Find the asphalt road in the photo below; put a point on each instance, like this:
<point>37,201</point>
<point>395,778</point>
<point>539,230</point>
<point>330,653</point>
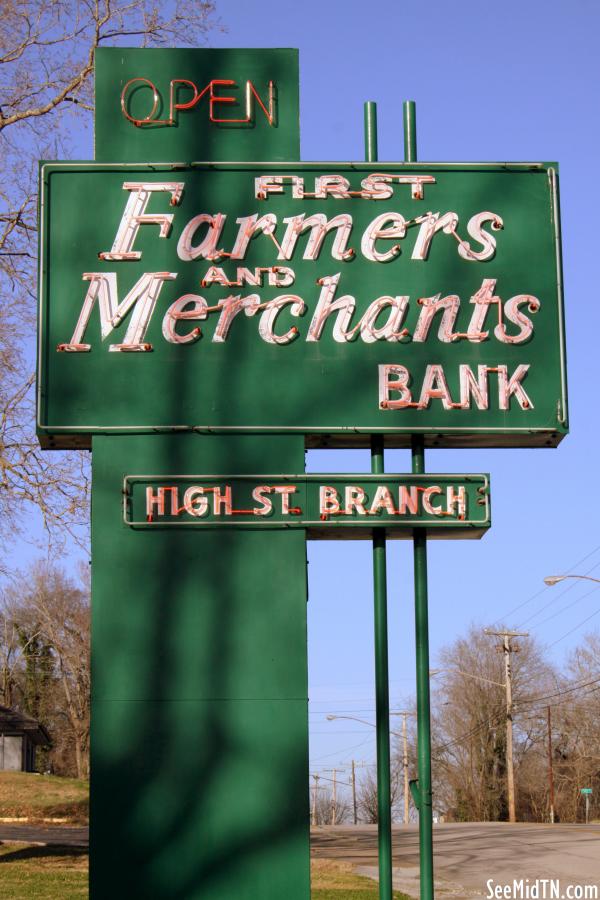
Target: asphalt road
<point>59,835</point>
<point>466,856</point>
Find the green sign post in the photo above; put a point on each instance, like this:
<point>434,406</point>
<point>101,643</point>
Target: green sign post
<point>199,636</point>
<point>587,793</point>
<point>204,318</point>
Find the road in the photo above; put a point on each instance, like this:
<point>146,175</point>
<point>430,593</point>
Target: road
<point>466,856</point>
<point>59,835</point>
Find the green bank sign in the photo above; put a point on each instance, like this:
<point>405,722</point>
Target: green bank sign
<point>327,506</point>
<point>333,300</point>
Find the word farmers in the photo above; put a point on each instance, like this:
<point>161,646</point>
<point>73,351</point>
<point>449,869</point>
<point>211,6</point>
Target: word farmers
<point>203,233</point>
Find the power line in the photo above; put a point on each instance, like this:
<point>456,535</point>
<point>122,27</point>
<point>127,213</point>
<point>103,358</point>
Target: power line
<point>576,687</point>
<point>324,712</point>
<point>353,709</point>
<point>489,723</point>
<point>554,599</point>
<point>334,700</point>
<point>562,637</point>
<point>494,720</point>
<point>358,700</point>
<point>337,781</point>
<point>330,732</point>
<point>370,740</point>
<point>541,590</point>
<point>560,611</point>
<point>560,702</point>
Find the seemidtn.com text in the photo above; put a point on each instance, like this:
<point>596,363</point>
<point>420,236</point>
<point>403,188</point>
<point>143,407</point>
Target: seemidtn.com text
<point>540,889</point>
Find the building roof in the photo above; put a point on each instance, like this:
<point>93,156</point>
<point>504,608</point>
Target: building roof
<point>12,721</point>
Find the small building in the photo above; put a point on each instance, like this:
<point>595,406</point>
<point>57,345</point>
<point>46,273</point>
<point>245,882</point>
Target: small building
<point>19,736</point>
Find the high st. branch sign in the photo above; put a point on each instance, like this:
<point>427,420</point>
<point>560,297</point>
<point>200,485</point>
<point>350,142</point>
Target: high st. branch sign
<point>327,506</point>
<point>334,300</point>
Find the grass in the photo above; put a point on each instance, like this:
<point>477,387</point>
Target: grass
<point>337,881</point>
<point>36,797</point>
<point>29,872</point>
<point>42,873</point>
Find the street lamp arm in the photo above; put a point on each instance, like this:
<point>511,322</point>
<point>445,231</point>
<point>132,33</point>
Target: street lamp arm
<point>469,675</point>
<point>554,579</point>
<point>331,718</point>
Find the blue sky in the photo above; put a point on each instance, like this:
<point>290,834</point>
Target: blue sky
<point>514,82</point>
<point>511,81</point>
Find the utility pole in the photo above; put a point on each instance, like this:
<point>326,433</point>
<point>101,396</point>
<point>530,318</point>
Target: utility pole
<point>507,649</point>
<point>333,798</point>
<point>314,803</point>
<point>405,767</point>
<point>355,766</point>
<point>333,792</point>
<point>550,769</point>
<point>404,714</point>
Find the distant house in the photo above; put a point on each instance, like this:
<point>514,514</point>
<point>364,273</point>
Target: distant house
<point>19,736</point>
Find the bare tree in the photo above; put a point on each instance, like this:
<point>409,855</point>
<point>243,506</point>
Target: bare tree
<point>50,613</point>
<point>577,730</point>
<point>366,795</point>
<point>324,811</point>
<point>47,54</point>
<point>10,660</point>
<point>469,725</point>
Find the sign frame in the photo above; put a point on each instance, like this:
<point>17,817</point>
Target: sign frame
<point>439,434</point>
<point>334,527</point>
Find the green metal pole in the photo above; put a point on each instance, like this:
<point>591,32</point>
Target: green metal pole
<point>410,131</point>
<point>382,699</point>
<point>423,708</point>
<point>424,793</point>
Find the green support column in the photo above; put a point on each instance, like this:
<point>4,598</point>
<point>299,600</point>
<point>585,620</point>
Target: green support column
<point>382,698</point>
<point>423,703</point>
<point>424,792</point>
<point>382,691</point>
<point>199,709</point>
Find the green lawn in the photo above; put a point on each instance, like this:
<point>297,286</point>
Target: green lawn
<point>345,894</point>
<point>337,881</point>
<point>26,795</point>
<point>29,872</point>
<point>42,873</point>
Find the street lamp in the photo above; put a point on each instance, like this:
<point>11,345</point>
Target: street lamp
<point>554,579</point>
<point>331,717</point>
